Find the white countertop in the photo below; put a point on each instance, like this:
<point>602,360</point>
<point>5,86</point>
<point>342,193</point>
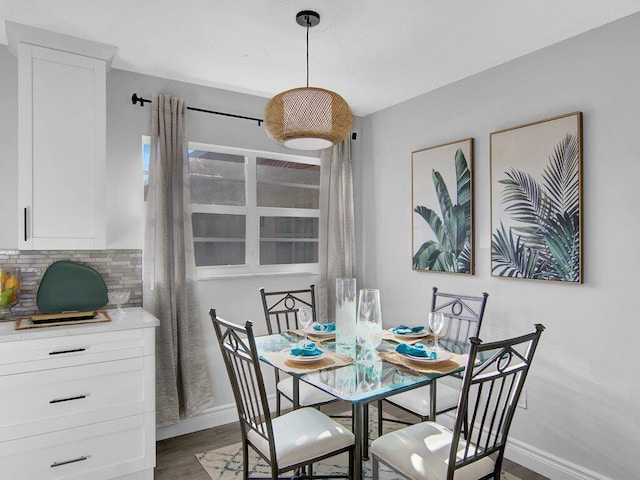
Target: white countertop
<point>133,318</point>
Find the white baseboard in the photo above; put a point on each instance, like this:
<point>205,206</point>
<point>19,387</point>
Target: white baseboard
<point>539,461</point>
<point>546,464</point>
<point>212,417</point>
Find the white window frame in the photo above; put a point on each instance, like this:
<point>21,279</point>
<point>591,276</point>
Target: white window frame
<point>252,266</point>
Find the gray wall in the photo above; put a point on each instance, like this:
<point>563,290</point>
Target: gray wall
<point>583,391</point>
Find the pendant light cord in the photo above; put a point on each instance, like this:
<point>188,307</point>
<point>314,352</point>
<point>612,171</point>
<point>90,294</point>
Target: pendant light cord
<point>308,25</point>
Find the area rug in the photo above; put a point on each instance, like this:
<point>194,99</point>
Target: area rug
<point>226,463</point>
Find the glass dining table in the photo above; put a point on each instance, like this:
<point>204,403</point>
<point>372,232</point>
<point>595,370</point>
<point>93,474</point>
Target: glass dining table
<point>361,382</point>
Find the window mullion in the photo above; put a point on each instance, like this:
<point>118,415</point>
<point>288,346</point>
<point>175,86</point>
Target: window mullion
<point>253,241</point>
<point>288,212</point>
<point>222,209</point>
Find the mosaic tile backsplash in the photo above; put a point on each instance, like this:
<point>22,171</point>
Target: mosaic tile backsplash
<point>121,270</point>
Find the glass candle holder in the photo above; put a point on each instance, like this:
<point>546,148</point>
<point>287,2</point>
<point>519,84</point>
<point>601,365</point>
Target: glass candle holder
<point>346,315</point>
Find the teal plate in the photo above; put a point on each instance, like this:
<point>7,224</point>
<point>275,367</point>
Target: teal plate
<point>71,287</point>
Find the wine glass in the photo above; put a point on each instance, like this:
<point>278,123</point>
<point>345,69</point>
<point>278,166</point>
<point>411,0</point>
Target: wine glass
<point>118,298</point>
<point>369,324</point>
<point>436,322</point>
<point>305,318</point>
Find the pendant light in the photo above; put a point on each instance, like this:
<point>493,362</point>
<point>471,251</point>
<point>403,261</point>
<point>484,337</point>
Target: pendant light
<point>308,118</point>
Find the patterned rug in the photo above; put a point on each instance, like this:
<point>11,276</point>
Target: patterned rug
<point>226,463</point>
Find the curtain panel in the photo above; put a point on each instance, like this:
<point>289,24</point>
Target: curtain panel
<point>338,259</point>
<point>170,290</point>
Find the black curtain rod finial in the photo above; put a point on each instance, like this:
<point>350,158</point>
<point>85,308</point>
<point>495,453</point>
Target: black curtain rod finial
<point>135,99</point>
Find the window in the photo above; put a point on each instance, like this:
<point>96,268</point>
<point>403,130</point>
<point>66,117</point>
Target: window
<point>253,212</point>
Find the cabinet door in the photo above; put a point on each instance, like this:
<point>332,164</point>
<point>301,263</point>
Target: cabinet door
<point>62,150</point>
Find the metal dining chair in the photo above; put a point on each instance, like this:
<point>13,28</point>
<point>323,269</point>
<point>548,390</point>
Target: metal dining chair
<point>281,314</point>
<point>292,441</point>
<point>474,449</point>
<point>463,319</point>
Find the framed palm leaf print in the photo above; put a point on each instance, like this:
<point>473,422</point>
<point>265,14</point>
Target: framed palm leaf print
<point>442,204</point>
<point>536,200</point>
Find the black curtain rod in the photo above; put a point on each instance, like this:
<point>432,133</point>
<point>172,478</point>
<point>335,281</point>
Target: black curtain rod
<point>135,99</point>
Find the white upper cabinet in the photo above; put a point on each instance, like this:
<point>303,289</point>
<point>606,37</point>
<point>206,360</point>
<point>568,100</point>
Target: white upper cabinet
<point>62,139</point>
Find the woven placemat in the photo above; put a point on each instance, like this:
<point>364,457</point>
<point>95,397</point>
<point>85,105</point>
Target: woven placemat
<point>447,366</point>
<point>281,361</point>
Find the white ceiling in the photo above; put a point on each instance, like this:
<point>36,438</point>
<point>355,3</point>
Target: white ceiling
<point>375,53</point>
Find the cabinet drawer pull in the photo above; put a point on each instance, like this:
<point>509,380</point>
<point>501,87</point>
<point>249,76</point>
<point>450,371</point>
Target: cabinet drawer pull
<point>25,224</point>
<point>73,350</point>
<point>68,399</point>
<point>67,462</point>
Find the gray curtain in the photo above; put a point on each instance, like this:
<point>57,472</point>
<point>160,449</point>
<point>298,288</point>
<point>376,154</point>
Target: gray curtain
<point>339,258</point>
<point>170,283</point>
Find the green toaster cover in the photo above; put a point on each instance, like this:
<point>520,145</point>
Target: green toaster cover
<point>69,286</point>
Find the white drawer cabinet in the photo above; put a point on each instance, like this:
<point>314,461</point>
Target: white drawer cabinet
<point>79,402</point>
<point>98,451</point>
<point>47,353</point>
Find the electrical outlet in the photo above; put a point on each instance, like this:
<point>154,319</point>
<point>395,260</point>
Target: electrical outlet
<point>522,402</point>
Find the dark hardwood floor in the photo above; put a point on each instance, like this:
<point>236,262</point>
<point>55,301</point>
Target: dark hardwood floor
<point>176,456</point>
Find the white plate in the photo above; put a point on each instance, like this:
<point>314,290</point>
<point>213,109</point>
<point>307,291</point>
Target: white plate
<point>304,359</point>
<point>442,356</point>
<point>420,334</point>
<point>320,333</point>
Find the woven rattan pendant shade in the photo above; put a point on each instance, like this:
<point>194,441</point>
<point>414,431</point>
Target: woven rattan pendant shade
<point>308,118</point>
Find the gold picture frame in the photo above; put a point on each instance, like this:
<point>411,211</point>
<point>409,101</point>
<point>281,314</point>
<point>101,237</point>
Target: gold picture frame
<point>442,224</point>
<point>536,200</point>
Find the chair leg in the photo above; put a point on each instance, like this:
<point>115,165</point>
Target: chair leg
<point>375,467</point>
<point>353,416</point>
<point>380,418</point>
<point>278,403</point>
<point>365,432</point>
<point>498,466</point>
<point>245,461</point>
<point>351,463</point>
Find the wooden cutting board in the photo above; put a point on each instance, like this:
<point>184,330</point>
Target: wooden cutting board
<point>57,319</point>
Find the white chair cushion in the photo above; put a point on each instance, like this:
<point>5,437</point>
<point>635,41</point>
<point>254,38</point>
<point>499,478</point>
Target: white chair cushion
<point>308,394</point>
<point>421,452</point>
<point>417,400</point>
<point>302,435</point>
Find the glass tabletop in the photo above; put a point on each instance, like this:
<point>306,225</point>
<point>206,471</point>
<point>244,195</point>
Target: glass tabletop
<point>359,382</point>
